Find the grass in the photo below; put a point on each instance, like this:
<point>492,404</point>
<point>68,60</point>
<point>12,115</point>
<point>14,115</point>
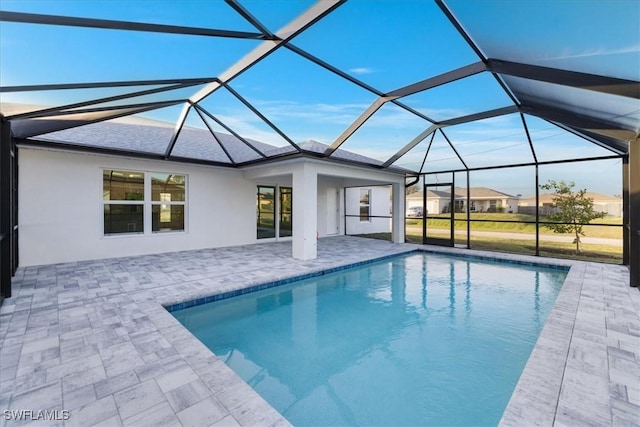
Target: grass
<point>590,230</point>
<point>590,252</point>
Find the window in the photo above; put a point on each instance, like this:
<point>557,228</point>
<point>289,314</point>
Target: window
<point>266,209</point>
<point>167,202</point>
<point>365,206</point>
<point>286,211</point>
<point>128,197</point>
<point>274,210</point>
<point>123,196</point>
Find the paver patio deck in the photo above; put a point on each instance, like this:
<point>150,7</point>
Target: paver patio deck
<point>93,338</point>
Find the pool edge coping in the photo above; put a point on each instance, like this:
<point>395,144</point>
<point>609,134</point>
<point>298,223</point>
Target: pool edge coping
<point>259,286</point>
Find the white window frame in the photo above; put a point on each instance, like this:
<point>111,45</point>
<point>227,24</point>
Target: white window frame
<point>147,204</point>
<point>153,203</point>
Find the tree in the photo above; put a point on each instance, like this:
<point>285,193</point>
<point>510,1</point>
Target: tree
<point>572,210</point>
<point>412,189</point>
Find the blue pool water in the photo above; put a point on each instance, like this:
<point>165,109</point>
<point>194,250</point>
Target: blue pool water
<point>421,339</point>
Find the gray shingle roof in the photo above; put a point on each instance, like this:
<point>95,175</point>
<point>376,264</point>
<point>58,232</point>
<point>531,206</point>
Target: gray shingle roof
<point>192,143</point>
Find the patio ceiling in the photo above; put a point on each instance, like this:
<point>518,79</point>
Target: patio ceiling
<point>445,94</point>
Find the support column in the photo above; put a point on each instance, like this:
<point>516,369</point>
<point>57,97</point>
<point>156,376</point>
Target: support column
<point>305,211</point>
<point>626,246</point>
<point>398,209</point>
<point>634,213</point>
<point>6,209</point>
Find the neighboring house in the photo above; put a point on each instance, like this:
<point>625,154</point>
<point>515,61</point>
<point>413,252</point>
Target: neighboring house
<point>481,199</point>
<point>601,203</point>
<point>76,206</point>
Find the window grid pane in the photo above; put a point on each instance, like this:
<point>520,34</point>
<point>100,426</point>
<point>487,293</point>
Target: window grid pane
<point>123,219</point>
<point>166,218</point>
<point>122,185</point>
<point>265,206</point>
<point>167,187</point>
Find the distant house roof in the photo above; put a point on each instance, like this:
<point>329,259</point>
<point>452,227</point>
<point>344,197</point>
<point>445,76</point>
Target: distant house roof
<point>547,198</point>
<point>475,193</point>
<point>482,193</point>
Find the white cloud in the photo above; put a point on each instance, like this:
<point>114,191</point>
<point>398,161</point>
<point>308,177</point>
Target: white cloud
<point>596,52</point>
<point>361,70</point>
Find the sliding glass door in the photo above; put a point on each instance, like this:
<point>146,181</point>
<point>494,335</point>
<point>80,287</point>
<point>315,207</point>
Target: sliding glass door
<point>274,212</point>
<point>285,224</point>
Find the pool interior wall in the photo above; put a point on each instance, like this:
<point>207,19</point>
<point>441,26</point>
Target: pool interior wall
<point>262,286</point>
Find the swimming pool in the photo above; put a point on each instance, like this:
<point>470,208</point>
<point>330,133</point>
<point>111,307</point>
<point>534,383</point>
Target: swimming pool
<point>420,339</point>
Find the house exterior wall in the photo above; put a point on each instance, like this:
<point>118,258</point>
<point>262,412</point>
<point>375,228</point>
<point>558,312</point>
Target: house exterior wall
<point>328,184</point>
<point>414,201</point>
<point>434,205</point>
<point>613,208</point>
<point>61,208</point>
<point>380,206</point>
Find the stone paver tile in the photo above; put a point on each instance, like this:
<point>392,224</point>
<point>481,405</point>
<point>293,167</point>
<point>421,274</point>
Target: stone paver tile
<point>138,398</point>
<point>93,413</point>
<point>626,409</point>
<point>40,345</point>
<point>73,367</point>
<point>150,370</point>
<point>633,394</point>
<point>227,421</point>
<point>114,421</point>
<point>256,412</point>
<point>187,395</point>
<point>282,422</point>
<point>46,397</point>
<point>81,350</point>
<point>624,421</point>
<point>159,415</point>
<point>176,378</point>
<point>114,384</point>
<point>205,412</point>
<point>84,378</point>
<point>75,398</point>
<point>120,358</point>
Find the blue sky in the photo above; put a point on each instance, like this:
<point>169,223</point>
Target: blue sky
<point>386,44</point>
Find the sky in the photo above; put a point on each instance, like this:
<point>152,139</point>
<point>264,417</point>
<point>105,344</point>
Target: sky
<point>386,44</point>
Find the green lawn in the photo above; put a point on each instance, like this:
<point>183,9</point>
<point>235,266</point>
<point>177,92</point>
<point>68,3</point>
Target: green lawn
<point>590,252</point>
<point>590,230</point>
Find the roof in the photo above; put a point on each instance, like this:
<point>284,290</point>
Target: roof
<point>482,193</point>
<point>476,193</point>
<point>497,80</point>
<point>548,198</point>
<point>192,143</point>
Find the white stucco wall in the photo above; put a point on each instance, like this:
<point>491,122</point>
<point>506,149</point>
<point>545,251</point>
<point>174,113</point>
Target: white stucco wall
<point>380,205</point>
<point>61,210</point>
<point>330,187</point>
